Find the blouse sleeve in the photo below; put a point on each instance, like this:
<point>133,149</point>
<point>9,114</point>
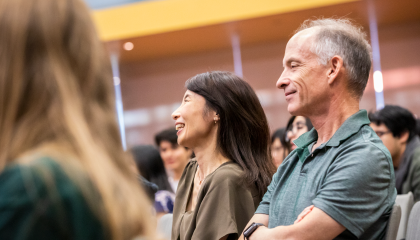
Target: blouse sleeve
<point>224,209</point>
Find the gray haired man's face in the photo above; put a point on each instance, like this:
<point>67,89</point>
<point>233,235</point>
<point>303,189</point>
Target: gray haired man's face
<point>304,80</point>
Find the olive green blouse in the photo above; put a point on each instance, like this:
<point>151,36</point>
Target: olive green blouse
<point>224,204</point>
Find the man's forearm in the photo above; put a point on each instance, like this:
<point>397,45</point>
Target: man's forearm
<point>280,232</point>
<point>315,226</point>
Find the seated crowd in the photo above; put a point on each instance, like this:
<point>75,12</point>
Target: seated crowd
<point>332,173</point>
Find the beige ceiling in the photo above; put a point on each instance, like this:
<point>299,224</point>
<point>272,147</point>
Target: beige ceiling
<point>259,30</point>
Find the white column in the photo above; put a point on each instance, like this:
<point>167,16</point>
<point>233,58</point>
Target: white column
<point>118,98</point>
<point>236,48</point>
<point>377,72</point>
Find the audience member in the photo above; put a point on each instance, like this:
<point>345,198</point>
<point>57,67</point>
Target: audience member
<point>418,127</point>
<point>174,156</point>
<point>222,121</point>
<point>341,166</point>
<point>296,126</point>
<point>396,127</point>
<point>150,166</point>
<point>63,171</point>
<point>279,149</point>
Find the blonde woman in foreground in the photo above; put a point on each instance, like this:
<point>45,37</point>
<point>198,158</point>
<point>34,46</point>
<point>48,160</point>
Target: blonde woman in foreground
<point>63,172</point>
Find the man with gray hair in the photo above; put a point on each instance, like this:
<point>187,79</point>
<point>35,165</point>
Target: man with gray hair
<point>339,182</point>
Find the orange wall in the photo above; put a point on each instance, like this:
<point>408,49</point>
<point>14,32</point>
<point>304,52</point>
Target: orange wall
<point>152,90</point>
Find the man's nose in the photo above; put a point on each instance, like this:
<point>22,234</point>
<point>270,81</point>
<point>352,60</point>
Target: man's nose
<point>283,82</point>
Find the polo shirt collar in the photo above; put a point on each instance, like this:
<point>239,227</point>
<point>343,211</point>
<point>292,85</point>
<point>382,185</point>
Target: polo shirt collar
<point>350,127</point>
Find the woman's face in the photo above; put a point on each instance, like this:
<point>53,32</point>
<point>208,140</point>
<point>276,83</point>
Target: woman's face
<point>277,152</point>
<point>298,128</point>
<point>194,122</point>
<point>174,156</point>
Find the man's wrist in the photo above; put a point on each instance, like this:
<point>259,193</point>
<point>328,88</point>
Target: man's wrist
<point>251,229</point>
<point>260,233</point>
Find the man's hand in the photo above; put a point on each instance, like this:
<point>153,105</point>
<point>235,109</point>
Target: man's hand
<point>303,214</point>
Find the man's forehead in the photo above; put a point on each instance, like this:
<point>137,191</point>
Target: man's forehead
<point>304,35</point>
<point>300,44</point>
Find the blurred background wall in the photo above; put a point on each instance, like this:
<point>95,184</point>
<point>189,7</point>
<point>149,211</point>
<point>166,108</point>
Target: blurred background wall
<point>160,44</point>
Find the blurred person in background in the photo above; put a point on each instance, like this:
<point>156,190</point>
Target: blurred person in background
<point>222,121</point>
<point>296,126</point>
<point>396,127</point>
<point>174,156</point>
<point>418,127</point>
<point>63,171</point>
<point>150,166</point>
<point>279,148</point>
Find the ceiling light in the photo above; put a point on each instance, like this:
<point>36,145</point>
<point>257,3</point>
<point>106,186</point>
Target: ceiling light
<point>128,46</point>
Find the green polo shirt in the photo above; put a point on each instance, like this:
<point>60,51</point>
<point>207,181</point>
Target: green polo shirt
<point>350,178</point>
<point>39,201</point>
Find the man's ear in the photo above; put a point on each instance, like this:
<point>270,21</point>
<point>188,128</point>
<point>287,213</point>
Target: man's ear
<point>404,137</point>
<point>335,68</point>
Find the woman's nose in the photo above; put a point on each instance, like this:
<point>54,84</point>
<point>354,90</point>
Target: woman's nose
<point>176,114</point>
<point>290,135</point>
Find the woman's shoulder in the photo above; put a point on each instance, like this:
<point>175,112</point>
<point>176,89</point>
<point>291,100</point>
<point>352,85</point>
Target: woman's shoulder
<point>229,171</point>
<point>42,181</point>
<point>33,178</point>
<point>191,166</point>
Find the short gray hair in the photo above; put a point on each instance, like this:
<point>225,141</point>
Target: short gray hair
<point>341,37</point>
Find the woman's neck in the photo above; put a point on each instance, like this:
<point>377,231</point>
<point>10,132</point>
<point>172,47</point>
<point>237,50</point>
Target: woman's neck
<point>209,158</point>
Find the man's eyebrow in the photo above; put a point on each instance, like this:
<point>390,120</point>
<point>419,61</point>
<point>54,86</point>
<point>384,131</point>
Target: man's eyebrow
<point>292,59</point>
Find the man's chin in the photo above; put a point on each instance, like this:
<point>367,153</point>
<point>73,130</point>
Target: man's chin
<point>293,110</point>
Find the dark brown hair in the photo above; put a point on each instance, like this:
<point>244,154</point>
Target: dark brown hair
<point>244,135</point>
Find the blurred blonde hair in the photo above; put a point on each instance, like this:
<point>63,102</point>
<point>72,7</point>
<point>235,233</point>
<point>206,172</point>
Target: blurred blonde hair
<point>56,99</point>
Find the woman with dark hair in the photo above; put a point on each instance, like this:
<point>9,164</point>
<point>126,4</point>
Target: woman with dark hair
<point>279,146</point>
<point>296,126</point>
<point>150,166</point>
<point>222,121</point>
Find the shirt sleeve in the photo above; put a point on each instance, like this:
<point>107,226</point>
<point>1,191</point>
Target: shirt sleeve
<point>356,189</point>
<point>264,206</point>
<point>225,209</point>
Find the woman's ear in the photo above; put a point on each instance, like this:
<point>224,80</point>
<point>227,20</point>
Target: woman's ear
<point>216,117</point>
